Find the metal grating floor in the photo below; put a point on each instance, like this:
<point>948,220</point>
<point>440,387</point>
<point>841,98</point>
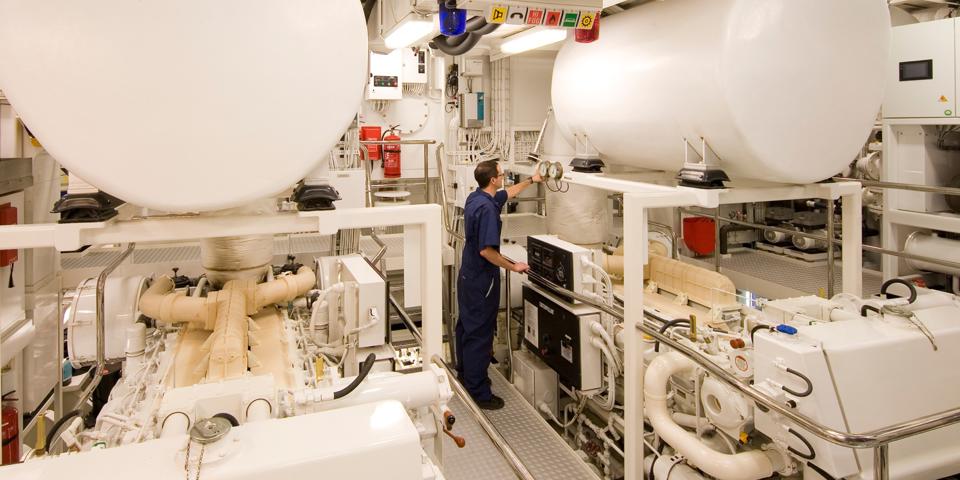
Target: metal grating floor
<point>807,279</point>
<point>540,448</point>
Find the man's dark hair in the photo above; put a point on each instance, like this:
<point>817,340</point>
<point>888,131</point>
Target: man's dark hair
<point>485,172</point>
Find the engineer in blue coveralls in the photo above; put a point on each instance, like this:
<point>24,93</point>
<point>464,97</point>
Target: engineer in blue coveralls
<point>478,286</point>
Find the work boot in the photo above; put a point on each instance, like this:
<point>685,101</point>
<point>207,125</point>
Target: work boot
<point>495,403</point>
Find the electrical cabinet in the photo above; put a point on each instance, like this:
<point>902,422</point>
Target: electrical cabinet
<point>370,303</point>
<point>559,334</point>
<point>922,74</point>
<point>386,76</point>
<point>558,262</point>
<point>415,65</point>
<point>535,380</point>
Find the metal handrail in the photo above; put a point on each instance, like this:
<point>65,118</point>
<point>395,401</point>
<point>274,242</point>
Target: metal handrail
<point>101,325</point>
<point>901,186</point>
<point>878,439</point>
<point>365,151</point>
<point>498,441</point>
<point>821,238</point>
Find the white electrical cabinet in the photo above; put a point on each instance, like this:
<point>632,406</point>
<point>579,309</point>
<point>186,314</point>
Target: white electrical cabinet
<point>386,76</point>
<point>370,304</point>
<point>922,76</point>
<point>415,65</point>
<point>535,381</point>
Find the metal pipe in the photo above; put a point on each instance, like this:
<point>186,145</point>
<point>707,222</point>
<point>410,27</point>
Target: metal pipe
<point>407,321</point>
<point>881,462</point>
<point>381,253</point>
<point>101,326</point>
<point>901,186</point>
<point>678,231</point>
<point>488,428</point>
<point>443,195</point>
<point>822,238</point>
<point>831,247</point>
<point>506,284</point>
<point>667,230</point>
<point>716,239</point>
<point>870,439</point>
<point>426,173</point>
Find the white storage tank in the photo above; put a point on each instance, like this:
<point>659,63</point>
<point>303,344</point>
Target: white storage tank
<point>185,105</point>
<point>782,90</point>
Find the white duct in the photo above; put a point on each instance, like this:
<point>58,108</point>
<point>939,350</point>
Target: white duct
<point>782,90</point>
<point>929,245</point>
<point>752,465</point>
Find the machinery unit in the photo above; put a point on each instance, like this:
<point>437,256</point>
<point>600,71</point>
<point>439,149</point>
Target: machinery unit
<point>726,87</point>
<point>472,110</point>
<point>558,262</point>
<point>560,334</point>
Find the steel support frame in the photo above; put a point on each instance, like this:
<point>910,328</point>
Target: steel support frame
<point>638,199</point>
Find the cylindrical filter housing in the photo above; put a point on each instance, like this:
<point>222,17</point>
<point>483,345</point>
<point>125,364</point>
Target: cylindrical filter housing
<point>781,90</point>
<point>929,245</point>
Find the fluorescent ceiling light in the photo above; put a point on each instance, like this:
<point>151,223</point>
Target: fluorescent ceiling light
<point>409,31</point>
<point>531,39</point>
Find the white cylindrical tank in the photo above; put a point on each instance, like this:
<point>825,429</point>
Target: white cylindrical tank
<point>185,105</point>
<point>782,90</point>
<point>929,245</point>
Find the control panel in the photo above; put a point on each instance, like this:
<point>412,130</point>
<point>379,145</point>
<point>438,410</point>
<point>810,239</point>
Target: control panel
<point>386,76</point>
<point>554,261</point>
<point>559,334</point>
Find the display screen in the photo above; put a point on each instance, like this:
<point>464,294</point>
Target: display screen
<point>919,70</point>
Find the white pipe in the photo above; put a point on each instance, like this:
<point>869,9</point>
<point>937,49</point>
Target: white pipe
<point>598,330</point>
<point>924,244</point>
<point>663,469</point>
<point>415,390</point>
<point>611,374</point>
<point>17,342</point>
<point>752,465</point>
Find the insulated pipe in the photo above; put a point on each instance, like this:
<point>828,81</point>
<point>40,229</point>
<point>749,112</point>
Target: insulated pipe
<point>751,465</point>
<point>285,288</point>
<point>919,243</point>
<point>160,303</point>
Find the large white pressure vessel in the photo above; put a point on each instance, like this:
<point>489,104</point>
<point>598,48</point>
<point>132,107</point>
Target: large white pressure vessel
<point>783,90</point>
<point>183,105</point>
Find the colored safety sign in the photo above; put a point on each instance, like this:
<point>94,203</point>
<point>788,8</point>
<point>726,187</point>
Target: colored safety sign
<point>586,21</point>
<point>498,14</point>
<point>534,16</point>
<point>519,15</point>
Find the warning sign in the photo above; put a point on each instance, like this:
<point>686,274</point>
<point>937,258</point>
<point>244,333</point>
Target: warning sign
<point>534,16</point>
<point>587,20</point>
<point>553,18</point>
<point>570,19</point>
<point>498,14</point>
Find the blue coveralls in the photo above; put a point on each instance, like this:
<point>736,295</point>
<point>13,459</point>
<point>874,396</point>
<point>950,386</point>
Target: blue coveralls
<point>478,291</point>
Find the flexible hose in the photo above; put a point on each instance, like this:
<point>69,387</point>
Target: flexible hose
<point>668,326</point>
<point>364,371</point>
<point>52,434</point>
<point>910,285</point>
<point>477,27</point>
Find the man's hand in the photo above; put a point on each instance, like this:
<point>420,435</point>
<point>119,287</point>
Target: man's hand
<point>520,267</point>
<point>536,175</point>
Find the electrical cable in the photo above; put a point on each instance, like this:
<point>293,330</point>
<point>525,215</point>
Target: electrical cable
<point>364,371</point>
<point>909,285</point>
<point>52,434</point>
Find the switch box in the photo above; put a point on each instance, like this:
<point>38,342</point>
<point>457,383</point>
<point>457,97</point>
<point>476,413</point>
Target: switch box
<point>415,65</point>
<point>922,76</point>
<point>559,334</point>
<point>386,76</point>
<point>535,381</point>
<point>472,107</point>
<point>370,305</point>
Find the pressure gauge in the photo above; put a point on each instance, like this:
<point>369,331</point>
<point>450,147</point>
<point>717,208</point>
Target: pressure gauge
<point>555,171</point>
<point>543,168</point>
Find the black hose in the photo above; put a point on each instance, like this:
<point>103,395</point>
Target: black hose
<point>52,434</point>
<point>476,28</point>
<point>755,329</point>
<point>868,308</point>
<point>668,326</point>
<point>805,393</point>
<point>364,371</point>
<point>823,473</point>
<point>810,454</point>
<point>910,285</point>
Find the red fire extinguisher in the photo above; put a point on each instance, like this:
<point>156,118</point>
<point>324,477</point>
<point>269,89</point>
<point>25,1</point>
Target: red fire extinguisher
<point>391,154</point>
<point>10,434</point>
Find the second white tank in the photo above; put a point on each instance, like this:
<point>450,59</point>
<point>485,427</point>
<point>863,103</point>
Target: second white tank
<point>783,90</point>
